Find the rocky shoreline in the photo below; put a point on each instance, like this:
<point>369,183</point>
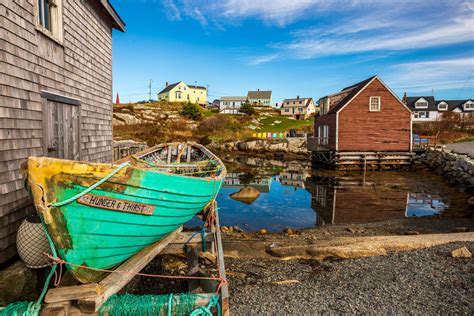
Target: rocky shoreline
<point>457,169</point>
<point>295,146</point>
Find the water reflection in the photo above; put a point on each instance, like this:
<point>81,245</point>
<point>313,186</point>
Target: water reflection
<point>292,177</point>
<point>346,200</point>
<point>242,179</point>
<point>423,204</point>
<point>291,195</point>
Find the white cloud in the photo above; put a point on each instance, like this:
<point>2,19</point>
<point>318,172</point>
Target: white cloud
<point>257,60</point>
<point>440,74</point>
<point>199,16</point>
<point>171,10</point>
<point>339,27</point>
<point>456,31</point>
<point>279,12</point>
<point>273,12</point>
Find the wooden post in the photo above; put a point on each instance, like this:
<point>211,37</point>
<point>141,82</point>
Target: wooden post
<point>193,266</point>
<point>220,258</point>
<point>170,150</point>
<point>114,282</point>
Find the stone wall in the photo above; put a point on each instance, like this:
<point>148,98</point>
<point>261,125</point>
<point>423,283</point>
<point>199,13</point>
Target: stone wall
<point>457,169</point>
<point>291,145</point>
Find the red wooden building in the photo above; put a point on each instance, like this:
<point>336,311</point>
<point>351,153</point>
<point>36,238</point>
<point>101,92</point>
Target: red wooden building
<point>365,123</point>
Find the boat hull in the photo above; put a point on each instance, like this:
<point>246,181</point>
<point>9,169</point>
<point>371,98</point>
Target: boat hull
<point>130,211</point>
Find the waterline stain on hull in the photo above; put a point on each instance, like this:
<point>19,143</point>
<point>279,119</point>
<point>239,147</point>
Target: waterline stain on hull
<point>101,237</point>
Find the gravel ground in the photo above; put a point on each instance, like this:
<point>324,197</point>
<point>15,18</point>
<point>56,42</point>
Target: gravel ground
<point>425,281</point>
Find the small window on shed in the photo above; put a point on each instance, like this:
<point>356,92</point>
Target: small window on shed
<point>49,18</point>
<point>374,104</point>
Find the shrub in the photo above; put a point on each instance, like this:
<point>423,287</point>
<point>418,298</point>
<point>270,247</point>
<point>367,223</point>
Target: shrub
<point>247,108</point>
<point>191,111</point>
<point>214,123</point>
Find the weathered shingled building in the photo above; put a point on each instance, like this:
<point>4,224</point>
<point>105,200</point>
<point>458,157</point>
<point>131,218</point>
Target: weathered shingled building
<point>55,92</point>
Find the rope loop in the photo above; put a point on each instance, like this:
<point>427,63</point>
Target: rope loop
<point>92,187</point>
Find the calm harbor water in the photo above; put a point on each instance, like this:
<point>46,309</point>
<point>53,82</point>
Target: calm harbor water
<point>294,196</point>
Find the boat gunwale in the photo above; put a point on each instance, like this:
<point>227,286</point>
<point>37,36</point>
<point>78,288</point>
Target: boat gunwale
<point>147,151</point>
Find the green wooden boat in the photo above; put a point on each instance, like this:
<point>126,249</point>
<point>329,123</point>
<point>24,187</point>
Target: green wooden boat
<point>99,222</point>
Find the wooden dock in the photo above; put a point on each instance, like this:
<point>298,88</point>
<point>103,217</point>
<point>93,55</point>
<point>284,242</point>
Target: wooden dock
<point>125,148</point>
<point>361,160</point>
<point>86,299</point>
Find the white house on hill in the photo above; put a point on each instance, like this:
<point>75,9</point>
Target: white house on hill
<point>299,108</point>
<point>427,109</point>
<point>231,105</point>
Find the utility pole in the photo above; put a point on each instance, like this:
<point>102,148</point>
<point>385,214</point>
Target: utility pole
<point>149,90</point>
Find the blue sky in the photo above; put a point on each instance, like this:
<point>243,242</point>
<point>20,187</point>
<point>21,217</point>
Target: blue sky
<point>295,47</point>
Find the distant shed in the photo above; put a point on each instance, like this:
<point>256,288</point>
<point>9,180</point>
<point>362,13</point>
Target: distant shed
<point>55,92</point>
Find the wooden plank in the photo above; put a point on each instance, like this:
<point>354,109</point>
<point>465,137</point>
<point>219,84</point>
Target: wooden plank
<point>75,133</point>
<point>59,98</point>
<point>220,260</point>
<point>69,293</point>
<point>56,309</point>
<point>61,128</point>
<point>185,237</point>
<point>179,244</point>
<point>114,282</point>
<point>67,113</point>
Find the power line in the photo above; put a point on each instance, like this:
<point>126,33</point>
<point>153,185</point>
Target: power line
<point>465,83</point>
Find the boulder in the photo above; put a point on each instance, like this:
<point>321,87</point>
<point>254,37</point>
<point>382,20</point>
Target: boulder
<point>462,252</point>
<point>127,118</point>
<point>246,195</point>
<point>470,202</point>
<point>238,229</point>
<point>207,256</point>
<point>17,283</point>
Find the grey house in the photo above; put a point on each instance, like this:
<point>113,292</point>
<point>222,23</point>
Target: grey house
<point>55,92</point>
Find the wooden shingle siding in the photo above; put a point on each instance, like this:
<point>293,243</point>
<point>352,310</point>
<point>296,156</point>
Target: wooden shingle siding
<point>30,62</point>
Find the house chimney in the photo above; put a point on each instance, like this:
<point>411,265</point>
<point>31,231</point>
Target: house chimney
<point>166,84</point>
<point>404,100</point>
<point>297,97</point>
<point>258,89</point>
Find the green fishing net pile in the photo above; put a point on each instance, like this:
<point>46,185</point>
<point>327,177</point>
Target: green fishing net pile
<point>138,305</point>
<point>19,309</point>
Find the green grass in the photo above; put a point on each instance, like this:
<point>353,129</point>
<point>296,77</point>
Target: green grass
<point>284,125</point>
<point>465,139</point>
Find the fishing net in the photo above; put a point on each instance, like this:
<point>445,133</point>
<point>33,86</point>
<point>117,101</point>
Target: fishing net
<point>16,309</point>
<point>137,305</point>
